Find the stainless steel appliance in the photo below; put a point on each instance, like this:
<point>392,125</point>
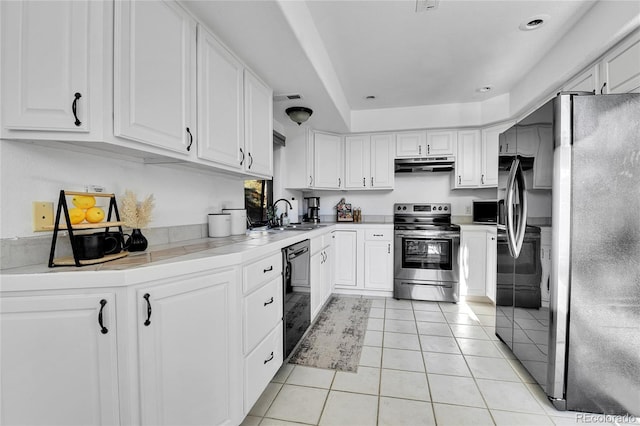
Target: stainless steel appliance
<point>485,211</point>
<point>584,348</point>
<point>426,164</point>
<point>426,263</point>
<point>312,209</point>
<point>297,294</point>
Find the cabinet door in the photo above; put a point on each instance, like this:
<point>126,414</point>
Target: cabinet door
<point>357,162</point>
<point>57,366</point>
<point>220,103</point>
<point>441,142</point>
<point>411,144</point>
<point>585,82</point>
<point>543,164</point>
<point>528,140</point>
<point>317,261</point>
<point>48,59</point>
<point>491,268</point>
<point>378,265</point>
<point>189,350</point>
<point>327,161</point>
<point>620,69</point>
<point>258,126</point>
<point>345,258</point>
<point>473,262</point>
<point>489,155</point>
<point>468,159</point>
<point>382,168</point>
<point>155,74</point>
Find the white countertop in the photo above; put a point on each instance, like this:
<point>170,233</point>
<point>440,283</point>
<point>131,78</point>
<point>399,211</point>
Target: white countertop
<point>164,261</point>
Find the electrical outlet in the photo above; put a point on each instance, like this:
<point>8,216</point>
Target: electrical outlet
<point>42,215</point>
<point>467,210</point>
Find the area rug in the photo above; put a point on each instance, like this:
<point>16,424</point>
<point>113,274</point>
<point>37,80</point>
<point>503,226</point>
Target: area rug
<point>336,338</point>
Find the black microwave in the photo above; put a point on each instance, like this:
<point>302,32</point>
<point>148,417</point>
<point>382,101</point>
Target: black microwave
<point>485,211</point>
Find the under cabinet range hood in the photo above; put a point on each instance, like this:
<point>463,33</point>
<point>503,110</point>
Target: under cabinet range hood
<point>427,164</point>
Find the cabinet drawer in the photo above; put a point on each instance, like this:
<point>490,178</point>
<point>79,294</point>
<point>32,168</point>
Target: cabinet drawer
<point>261,365</point>
<point>261,271</point>
<point>262,312</point>
<point>378,234</point>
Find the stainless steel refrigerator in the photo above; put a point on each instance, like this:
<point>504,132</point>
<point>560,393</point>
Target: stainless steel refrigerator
<point>573,166</point>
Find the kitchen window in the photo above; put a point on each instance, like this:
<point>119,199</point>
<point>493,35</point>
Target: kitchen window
<point>258,196</point>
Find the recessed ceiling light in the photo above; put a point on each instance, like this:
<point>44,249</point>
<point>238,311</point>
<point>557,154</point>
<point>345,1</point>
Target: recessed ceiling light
<point>484,89</point>
<point>534,22</point>
<point>370,97</point>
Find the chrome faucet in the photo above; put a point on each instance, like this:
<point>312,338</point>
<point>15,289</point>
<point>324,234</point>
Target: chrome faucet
<point>273,206</point>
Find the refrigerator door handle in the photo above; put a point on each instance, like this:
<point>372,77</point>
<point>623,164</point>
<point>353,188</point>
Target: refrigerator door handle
<point>509,204</point>
<point>522,219</point>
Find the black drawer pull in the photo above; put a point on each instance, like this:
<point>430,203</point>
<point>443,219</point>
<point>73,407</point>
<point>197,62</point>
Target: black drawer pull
<point>148,320</point>
<point>103,329</point>
<point>270,358</point>
<point>268,302</point>
<point>378,235</point>
<point>270,268</point>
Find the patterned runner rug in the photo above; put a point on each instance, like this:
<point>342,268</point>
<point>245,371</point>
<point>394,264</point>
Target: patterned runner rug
<point>335,340</point>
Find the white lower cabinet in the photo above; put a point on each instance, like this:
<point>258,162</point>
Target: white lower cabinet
<point>59,359</point>
<point>321,273</point>
<point>261,365</point>
<point>188,332</point>
<point>363,258</point>
<point>478,247</point>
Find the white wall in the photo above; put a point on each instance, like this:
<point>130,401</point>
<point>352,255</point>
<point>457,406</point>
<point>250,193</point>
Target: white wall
<point>32,172</point>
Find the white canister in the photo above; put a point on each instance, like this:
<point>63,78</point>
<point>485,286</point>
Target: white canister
<point>238,220</point>
<point>219,224</point>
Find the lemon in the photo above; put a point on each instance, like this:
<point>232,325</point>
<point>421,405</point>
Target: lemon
<point>76,215</point>
<point>95,215</point>
<point>83,201</point>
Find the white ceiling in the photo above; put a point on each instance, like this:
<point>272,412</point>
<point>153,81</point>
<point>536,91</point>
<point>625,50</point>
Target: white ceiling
<point>386,49</point>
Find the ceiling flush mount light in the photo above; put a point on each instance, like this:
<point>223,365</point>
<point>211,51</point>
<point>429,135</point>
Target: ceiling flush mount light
<point>534,22</point>
<point>426,5</point>
<point>299,114</point>
<point>485,89</point>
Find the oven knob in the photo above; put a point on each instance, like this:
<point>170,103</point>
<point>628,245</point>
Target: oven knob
<point>440,208</point>
<point>404,207</point>
<point>446,208</point>
<point>399,208</point>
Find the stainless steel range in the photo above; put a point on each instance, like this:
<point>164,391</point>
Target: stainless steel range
<point>426,253</point>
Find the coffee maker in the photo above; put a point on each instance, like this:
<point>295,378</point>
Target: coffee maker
<point>312,209</point>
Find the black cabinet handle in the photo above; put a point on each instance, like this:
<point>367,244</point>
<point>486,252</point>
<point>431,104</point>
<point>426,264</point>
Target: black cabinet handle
<point>428,149</point>
<point>103,329</point>
<point>268,302</point>
<point>270,268</point>
<point>269,359</point>
<point>74,105</point>
<point>364,181</point>
<point>148,321</point>
<point>602,88</point>
<point>190,139</point>
<point>242,160</point>
<point>372,181</point>
<point>250,158</point>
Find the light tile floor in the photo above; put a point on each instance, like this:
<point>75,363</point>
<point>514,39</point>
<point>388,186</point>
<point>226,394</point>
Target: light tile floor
<point>423,363</point>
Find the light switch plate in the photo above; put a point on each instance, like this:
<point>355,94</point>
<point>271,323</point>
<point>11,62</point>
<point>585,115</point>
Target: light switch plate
<point>42,215</point>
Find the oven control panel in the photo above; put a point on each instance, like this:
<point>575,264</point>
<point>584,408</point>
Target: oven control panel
<point>431,208</point>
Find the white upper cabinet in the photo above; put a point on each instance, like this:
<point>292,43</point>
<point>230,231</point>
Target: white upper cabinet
<point>584,82</point>
<point>411,144</point>
<point>155,74</point>
<point>467,170</point>
<point>441,142</point>
<point>220,103</point>
<point>543,164</point>
<point>620,68</point>
<point>327,161</point>
<point>52,69</point>
<point>489,155</point>
<point>258,127</point>
<point>369,161</point>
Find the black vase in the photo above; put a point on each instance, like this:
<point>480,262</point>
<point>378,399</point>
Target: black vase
<point>137,241</point>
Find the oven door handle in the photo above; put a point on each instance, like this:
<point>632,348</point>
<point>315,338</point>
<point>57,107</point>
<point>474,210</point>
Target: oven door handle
<point>509,204</point>
<point>430,236</point>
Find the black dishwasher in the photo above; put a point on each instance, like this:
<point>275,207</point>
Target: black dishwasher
<point>297,294</point>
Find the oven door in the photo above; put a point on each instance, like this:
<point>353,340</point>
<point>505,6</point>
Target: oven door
<point>426,255</point>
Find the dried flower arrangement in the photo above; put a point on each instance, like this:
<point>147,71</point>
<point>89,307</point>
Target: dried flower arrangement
<point>136,215</point>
